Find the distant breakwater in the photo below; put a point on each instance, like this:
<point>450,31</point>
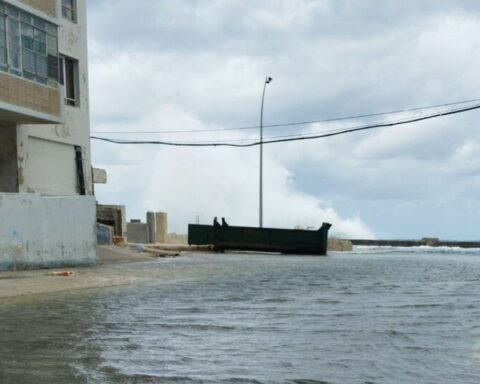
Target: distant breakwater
<point>431,242</point>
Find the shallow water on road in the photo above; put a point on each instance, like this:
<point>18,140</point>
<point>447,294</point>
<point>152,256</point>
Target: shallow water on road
<point>370,316</point>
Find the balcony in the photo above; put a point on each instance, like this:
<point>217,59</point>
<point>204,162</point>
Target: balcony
<point>26,102</point>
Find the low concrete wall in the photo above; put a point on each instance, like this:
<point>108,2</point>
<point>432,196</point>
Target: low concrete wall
<point>339,245</point>
<point>138,233</point>
<point>152,232</point>
<point>46,232</point>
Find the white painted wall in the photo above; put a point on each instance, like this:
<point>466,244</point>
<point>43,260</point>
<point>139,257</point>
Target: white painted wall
<point>58,159</point>
<point>51,225</point>
<point>76,127</point>
<point>46,232</point>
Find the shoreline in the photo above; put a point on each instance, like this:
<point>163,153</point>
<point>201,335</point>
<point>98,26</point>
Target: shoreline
<point>426,241</point>
<point>104,274</point>
<point>108,271</point>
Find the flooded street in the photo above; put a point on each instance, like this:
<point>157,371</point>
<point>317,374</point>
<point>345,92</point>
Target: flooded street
<point>373,315</point>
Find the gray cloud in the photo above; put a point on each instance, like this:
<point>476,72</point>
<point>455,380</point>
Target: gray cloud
<point>195,64</point>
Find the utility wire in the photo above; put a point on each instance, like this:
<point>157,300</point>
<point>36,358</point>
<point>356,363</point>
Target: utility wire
<point>291,124</point>
<point>295,138</point>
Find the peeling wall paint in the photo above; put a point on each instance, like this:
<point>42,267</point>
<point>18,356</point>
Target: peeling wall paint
<point>76,128</point>
<point>46,232</point>
<point>56,228</point>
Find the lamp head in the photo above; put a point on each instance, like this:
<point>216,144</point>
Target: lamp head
<point>268,80</point>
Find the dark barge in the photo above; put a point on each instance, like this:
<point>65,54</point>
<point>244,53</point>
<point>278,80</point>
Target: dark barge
<point>288,241</point>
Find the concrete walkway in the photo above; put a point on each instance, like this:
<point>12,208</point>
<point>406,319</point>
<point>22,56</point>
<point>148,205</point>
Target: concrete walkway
<point>111,254</point>
<point>106,274</point>
<point>112,270</point>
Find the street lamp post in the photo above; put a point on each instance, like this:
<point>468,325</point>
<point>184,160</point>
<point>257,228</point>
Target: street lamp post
<point>268,80</point>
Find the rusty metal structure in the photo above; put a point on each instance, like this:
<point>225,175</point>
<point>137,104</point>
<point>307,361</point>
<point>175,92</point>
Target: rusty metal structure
<point>287,241</point>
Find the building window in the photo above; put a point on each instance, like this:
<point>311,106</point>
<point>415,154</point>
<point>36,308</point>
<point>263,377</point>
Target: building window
<point>69,10</point>
<point>3,41</point>
<point>69,79</point>
<point>28,46</point>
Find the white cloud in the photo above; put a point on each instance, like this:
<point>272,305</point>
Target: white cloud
<point>171,71</point>
<point>212,182</point>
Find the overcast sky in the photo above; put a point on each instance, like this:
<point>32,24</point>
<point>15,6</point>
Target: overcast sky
<point>200,64</point>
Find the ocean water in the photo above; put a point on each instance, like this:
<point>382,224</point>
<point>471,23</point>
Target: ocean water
<point>374,315</point>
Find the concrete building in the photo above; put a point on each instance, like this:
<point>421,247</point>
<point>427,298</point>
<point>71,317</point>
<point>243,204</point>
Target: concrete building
<point>47,208</point>
<point>114,216</point>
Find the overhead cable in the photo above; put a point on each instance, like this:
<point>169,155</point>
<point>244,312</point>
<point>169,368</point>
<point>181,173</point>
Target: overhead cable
<point>296,137</point>
<point>291,124</point>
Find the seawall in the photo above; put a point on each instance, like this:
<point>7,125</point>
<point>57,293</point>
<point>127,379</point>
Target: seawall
<point>432,242</point>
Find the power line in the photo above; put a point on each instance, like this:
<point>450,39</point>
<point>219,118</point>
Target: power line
<point>380,125</point>
<point>291,124</point>
<point>283,139</point>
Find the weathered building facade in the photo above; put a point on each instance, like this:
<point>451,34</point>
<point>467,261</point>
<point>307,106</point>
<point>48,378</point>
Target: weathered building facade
<point>45,165</point>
